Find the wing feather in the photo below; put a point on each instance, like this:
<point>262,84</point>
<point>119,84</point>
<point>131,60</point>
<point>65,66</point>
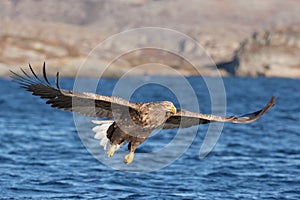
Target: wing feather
<point>88,104</point>
<point>184,118</point>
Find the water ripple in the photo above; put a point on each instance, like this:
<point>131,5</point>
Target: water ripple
<point>42,157</point>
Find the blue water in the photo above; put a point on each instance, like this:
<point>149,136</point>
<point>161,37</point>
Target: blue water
<point>42,156</point>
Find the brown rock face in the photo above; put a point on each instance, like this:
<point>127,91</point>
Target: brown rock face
<point>273,53</point>
<point>64,34</point>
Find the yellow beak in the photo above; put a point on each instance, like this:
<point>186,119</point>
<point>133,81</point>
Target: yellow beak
<point>173,109</point>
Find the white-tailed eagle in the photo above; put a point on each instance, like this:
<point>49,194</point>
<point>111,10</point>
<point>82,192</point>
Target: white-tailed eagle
<point>124,121</point>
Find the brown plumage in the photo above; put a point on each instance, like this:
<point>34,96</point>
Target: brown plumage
<point>132,122</point>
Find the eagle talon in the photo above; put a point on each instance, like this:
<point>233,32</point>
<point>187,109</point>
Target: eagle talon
<point>129,158</point>
<point>111,150</point>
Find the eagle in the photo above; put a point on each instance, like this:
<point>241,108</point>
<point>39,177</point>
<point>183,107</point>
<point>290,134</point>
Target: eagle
<point>122,121</point>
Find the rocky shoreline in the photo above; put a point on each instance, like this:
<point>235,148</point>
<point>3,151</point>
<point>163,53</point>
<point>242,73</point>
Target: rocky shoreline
<point>228,44</point>
<point>268,53</point>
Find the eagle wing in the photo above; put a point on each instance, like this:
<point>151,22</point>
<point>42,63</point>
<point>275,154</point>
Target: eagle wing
<point>88,104</point>
<point>184,118</point>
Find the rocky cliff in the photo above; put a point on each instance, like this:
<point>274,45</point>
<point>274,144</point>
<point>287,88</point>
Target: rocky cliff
<point>268,53</point>
<point>64,35</point>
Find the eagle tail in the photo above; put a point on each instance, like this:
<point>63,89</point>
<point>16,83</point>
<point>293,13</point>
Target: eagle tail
<point>101,132</point>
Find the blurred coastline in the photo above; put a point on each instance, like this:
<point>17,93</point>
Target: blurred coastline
<point>257,38</point>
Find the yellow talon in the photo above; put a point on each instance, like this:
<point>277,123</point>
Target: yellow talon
<point>110,153</point>
<point>111,150</point>
<point>129,158</point>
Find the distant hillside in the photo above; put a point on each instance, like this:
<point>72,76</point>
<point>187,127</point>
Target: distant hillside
<point>64,32</point>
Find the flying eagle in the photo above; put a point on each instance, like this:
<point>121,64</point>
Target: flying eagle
<point>124,121</point>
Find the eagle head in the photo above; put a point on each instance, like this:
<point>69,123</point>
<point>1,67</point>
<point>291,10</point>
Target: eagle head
<point>154,114</point>
<point>169,107</point>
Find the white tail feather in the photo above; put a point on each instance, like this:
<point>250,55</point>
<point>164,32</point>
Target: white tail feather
<point>101,132</point>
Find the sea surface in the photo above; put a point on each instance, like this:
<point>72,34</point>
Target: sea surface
<point>42,156</point>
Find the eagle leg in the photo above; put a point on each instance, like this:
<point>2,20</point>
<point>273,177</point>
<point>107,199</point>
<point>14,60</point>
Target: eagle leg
<point>111,150</point>
<point>131,147</point>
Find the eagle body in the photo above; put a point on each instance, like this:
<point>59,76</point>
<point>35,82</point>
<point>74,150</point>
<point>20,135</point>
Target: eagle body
<point>123,121</point>
<point>135,127</point>
<point>118,136</point>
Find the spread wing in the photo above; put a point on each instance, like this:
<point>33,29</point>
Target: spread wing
<point>184,118</point>
<point>88,104</point>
